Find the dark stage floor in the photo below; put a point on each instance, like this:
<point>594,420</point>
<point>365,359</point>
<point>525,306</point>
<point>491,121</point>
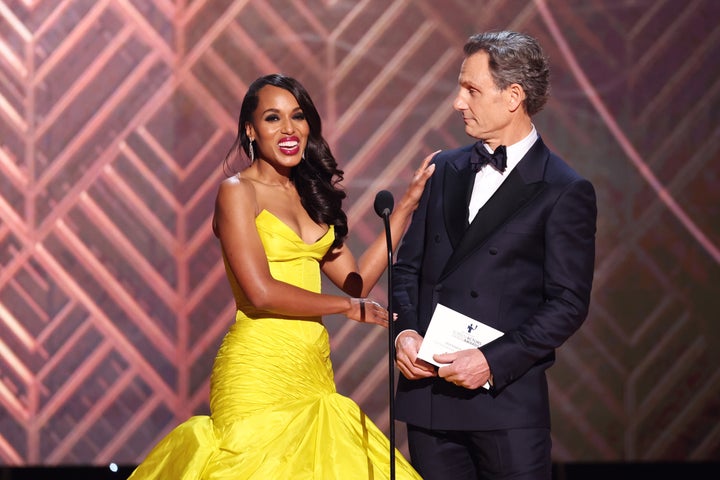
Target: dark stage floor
<point>573,471</point>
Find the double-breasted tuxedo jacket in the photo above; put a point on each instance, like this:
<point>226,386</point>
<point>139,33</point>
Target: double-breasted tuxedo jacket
<point>524,266</point>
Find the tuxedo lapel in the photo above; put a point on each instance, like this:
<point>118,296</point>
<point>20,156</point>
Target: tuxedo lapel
<point>457,182</point>
<point>522,184</point>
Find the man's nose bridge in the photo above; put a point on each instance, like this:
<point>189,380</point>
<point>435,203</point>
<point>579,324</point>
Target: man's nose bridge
<point>458,102</point>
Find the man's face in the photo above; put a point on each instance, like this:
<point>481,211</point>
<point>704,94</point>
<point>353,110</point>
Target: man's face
<point>483,106</point>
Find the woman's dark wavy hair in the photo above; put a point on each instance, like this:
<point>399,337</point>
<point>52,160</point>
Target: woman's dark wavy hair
<point>317,176</point>
<point>515,58</point>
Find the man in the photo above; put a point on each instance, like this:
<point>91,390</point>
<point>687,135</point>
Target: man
<point>511,246</point>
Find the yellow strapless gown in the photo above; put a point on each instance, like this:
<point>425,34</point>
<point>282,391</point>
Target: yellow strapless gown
<point>275,411</point>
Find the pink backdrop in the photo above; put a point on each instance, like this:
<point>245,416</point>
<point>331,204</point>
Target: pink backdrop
<point>114,119</point>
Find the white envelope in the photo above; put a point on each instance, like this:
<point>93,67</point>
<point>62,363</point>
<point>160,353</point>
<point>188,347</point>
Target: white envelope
<point>450,331</point>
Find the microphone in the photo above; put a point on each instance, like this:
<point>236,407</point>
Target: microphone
<point>384,204</point>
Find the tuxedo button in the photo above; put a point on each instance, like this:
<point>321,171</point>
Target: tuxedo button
<point>437,238</point>
<point>493,251</point>
<point>473,293</point>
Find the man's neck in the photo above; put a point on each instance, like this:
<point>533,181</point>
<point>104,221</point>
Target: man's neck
<point>511,134</point>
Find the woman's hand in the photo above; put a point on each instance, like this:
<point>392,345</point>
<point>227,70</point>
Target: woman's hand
<point>364,310</point>
<point>412,195</point>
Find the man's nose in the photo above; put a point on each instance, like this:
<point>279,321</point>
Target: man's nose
<point>459,104</point>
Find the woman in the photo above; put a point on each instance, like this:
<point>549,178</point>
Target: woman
<point>275,411</point>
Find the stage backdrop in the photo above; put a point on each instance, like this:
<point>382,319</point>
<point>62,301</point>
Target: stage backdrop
<point>115,116</point>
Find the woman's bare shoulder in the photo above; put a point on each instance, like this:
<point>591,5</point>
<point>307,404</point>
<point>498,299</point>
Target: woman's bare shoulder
<point>237,185</point>
<point>236,199</point>
<point>235,192</point>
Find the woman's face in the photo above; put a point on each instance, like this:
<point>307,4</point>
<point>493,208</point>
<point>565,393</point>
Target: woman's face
<point>278,127</point>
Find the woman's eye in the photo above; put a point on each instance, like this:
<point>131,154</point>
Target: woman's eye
<point>272,118</point>
<point>299,116</point>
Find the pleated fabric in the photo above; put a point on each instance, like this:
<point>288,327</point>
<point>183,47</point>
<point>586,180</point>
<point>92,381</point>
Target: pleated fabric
<point>275,411</point>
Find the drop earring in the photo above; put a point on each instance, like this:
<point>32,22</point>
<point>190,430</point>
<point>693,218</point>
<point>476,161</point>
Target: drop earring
<point>252,152</point>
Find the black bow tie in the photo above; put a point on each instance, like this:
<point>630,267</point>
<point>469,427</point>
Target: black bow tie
<point>480,157</point>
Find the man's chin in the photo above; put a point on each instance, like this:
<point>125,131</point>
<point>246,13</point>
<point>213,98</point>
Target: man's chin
<point>471,132</point>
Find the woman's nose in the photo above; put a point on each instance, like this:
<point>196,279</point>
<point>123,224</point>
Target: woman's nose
<point>287,126</point>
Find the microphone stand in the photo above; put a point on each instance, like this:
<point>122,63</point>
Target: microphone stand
<point>391,343</point>
<point>384,203</point>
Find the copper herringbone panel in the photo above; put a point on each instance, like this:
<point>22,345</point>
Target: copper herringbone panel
<point>115,116</point>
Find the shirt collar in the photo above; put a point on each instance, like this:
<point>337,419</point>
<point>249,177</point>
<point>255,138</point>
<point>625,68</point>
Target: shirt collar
<point>517,151</point>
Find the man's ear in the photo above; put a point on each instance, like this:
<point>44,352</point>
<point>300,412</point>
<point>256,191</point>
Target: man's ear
<point>515,96</point>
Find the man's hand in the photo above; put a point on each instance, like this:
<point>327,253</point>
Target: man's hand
<point>406,350</point>
<point>467,368</point>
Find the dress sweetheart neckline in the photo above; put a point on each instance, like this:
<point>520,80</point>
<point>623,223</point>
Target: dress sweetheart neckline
<point>293,231</point>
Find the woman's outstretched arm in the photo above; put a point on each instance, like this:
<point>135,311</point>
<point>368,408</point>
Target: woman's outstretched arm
<point>357,278</point>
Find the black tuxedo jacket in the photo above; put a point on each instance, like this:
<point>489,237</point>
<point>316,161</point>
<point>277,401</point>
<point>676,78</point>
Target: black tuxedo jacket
<point>524,266</point>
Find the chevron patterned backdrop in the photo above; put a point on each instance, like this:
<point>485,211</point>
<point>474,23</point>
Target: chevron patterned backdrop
<point>115,116</point>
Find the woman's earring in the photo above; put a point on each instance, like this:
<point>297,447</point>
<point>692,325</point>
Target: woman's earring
<point>252,153</point>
